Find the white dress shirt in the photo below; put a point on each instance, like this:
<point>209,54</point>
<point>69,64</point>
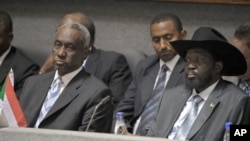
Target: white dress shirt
<point>67,78</point>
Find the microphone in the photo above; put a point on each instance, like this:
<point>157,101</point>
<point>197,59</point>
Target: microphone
<point>103,101</point>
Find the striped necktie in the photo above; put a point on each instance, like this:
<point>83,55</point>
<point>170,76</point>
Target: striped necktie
<point>50,99</point>
<point>150,108</point>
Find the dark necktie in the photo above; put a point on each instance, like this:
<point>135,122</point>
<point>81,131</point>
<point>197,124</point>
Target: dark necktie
<point>150,108</point>
<point>190,118</point>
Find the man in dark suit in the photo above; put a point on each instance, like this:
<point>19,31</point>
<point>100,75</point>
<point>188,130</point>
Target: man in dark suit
<point>13,58</point>
<point>108,66</point>
<point>208,56</point>
<point>70,106</point>
<point>164,28</point>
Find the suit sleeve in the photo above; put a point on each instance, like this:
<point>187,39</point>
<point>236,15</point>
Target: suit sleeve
<point>102,118</point>
<point>240,114</point>
<point>127,104</point>
<point>120,78</point>
<point>23,69</point>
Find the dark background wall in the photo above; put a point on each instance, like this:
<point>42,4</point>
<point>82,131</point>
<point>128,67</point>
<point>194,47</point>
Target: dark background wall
<point>120,24</point>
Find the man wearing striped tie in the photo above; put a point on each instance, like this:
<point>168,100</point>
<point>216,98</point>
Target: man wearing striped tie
<point>66,98</point>
<point>154,74</point>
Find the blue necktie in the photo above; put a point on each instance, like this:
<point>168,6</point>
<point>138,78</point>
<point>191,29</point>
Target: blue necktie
<point>150,108</point>
<point>50,99</point>
<point>190,118</point>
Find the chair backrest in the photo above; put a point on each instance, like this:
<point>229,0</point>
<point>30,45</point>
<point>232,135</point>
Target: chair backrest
<point>133,57</point>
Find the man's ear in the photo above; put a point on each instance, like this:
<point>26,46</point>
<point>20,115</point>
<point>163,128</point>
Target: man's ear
<point>10,37</point>
<point>218,66</point>
<point>184,34</point>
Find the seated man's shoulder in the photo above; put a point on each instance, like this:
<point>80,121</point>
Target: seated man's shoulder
<point>233,91</point>
<point>179,88</point>
<point>110,55</point>
<point>94,81</point>
<point>21,63</point>
<point>40,77</point>
<point>148,61</point>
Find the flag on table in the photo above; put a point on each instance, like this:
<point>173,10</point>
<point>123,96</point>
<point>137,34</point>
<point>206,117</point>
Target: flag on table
<point>10,104</point>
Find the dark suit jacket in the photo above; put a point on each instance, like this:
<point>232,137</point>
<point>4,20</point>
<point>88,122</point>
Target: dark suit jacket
<point>141,88</point>
<point>226,103</point>
<point>22,67</point>
<point>74,107</point>
<point>112,68</point>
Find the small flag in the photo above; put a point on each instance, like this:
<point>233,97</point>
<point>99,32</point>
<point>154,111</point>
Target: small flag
<point>10,104</point>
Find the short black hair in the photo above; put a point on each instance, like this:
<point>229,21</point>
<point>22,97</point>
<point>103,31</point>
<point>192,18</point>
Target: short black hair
<point>168,16</point>
<point>7,21</point>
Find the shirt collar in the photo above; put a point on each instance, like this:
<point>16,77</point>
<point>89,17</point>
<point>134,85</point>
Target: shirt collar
<point>170,64</point>
<point>69,76</point>
<point>4,55</point>
<point>84,62</point>
<point>205,93</point>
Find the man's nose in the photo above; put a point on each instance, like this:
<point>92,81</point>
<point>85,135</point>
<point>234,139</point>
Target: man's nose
<point>61,51</point>
<point>163,44</point>
<point>190,65</point>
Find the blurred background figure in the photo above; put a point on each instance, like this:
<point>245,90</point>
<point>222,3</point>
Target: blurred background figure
<point>241,40</point>
<point>12,57</point>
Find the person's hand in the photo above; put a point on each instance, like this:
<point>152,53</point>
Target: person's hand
<point>124,130</point>
<point>47,66</point>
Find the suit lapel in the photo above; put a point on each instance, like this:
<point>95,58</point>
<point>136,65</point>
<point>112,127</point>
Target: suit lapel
<point>149,77</point>
<point>148,81</point>
<point>176,75</point>
<point>4,69</point>
<point>203,116</point>
<point>43,85</point>
<point>6,65</point>
<point>69,93</point>
<point>91,63</point>
<point>208,108</point>
<point>177,106</point>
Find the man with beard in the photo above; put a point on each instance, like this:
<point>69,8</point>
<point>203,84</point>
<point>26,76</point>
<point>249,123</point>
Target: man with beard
<point>198,110</point>
<point>154,74</point>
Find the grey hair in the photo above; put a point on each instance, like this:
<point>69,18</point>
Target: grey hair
<point>82,29</point>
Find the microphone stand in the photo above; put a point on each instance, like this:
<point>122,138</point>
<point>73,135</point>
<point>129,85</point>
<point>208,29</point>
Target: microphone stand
<point>103,101</point>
